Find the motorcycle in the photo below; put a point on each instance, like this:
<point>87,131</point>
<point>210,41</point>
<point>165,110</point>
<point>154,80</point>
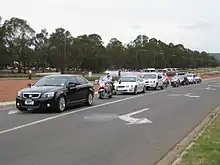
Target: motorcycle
<point>105,90</point>
<point>175,83</point>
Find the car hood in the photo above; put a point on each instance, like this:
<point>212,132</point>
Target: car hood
<point>125,83</point>
<point>42,89</point>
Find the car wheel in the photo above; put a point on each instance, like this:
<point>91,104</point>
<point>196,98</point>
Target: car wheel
<point>135,90</point>
<point>89,99</point>
<point>61,104</point>
<point>162,87</point>
<point>144,90</point>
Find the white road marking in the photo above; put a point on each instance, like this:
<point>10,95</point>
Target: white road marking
<point>73,112</point>
<point>132,120</point>
<point>190,95</point>
<point>214,85</point>
<point>187,95</point>
<point>13,112</point>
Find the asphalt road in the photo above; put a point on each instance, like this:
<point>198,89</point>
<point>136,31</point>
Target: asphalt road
<point>98,136</point>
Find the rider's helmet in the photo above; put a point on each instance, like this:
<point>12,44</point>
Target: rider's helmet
<point>108,75</point>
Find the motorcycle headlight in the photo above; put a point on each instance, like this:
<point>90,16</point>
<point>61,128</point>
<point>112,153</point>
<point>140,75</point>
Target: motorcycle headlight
<point>48,95</point>
<point>19,94</point>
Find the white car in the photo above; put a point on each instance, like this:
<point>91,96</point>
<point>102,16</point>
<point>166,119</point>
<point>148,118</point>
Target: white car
<point>130,84</point>
<point>191,78</point>
<point>153,80</point>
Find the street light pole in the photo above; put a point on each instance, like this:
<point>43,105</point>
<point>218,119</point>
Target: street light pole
<point>65,64</point>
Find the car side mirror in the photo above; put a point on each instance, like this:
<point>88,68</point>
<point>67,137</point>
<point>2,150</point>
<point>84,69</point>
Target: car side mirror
<point>71,85</point>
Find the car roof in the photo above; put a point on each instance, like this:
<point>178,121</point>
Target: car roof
<point>62,75</point>
<point>130,76</point>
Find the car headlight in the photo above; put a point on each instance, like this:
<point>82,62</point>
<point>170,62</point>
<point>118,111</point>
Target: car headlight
<point>19,94</point>
<point>132,86</point>
<point>127,86</point>
<point>48,95</point>
<point>154,81</point>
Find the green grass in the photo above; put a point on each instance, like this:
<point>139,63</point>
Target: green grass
<point>206,150</point>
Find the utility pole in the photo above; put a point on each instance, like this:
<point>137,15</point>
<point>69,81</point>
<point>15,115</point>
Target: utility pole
<point>65,61</point>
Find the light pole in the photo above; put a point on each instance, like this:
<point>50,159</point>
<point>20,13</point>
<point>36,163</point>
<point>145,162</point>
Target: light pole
<point>137,54</point>
<point>65,64</point>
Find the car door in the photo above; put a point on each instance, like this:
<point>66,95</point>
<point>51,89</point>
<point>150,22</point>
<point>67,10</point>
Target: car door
<point>73,92</point>
<point>139,86</point>
<point>83,87</point>
<point>160,80</point>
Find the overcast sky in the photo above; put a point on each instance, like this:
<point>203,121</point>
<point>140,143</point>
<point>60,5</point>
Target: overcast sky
<point>193,23</point>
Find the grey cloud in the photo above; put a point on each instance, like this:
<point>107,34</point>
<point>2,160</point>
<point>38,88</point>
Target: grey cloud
<point>198,25</point>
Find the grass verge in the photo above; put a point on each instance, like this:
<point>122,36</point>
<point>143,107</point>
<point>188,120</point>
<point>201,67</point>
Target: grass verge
<point>206,149</point>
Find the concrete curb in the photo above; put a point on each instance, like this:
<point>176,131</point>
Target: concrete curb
<point>7,104</point>
<point>174,156</point>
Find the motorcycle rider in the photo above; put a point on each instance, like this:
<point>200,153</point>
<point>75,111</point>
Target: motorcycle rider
<point>108,79</point>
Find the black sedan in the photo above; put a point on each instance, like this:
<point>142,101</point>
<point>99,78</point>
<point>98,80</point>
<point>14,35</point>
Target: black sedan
<point>56,92</point>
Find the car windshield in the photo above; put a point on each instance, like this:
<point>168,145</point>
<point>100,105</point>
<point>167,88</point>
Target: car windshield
<point>175,77</point>
<point>189,75</point>
<point>51,81</point>
<point>149,76</point>
<point>128,79</point>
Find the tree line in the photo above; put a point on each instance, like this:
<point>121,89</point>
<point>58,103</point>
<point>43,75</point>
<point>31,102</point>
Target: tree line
<point>20,45</point>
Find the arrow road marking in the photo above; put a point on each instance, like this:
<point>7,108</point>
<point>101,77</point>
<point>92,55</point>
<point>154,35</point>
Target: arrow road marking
<point>132,120</point>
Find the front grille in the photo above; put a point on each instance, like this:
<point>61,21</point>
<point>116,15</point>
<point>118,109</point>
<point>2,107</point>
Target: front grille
<point>121,86</point>
<point>31,95</point>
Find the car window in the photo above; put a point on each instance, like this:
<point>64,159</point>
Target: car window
<point>159,76</point>
<point>73,79</point>
<point>51,81</point>
<point>128,79</point>
<point>149,76</point>
<point>82,80</point>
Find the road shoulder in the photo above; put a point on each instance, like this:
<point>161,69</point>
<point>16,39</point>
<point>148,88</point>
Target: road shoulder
<point>176,156</point>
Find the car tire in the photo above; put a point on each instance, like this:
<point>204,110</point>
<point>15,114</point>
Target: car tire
<point>61,104</point>
<point>144,89</point>
<point>135,90</point>
<point>89,99</point>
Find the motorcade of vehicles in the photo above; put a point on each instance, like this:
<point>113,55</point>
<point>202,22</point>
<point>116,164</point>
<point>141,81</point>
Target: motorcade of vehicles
<point>198,78</point>
<point>175,81</point>
<point>105,88</point>
<point>191,78</point>
<point>130,84</point>
<point>55,92</point>
<point>153,80</point>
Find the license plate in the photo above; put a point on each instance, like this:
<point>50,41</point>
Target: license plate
<point>29,102</point>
